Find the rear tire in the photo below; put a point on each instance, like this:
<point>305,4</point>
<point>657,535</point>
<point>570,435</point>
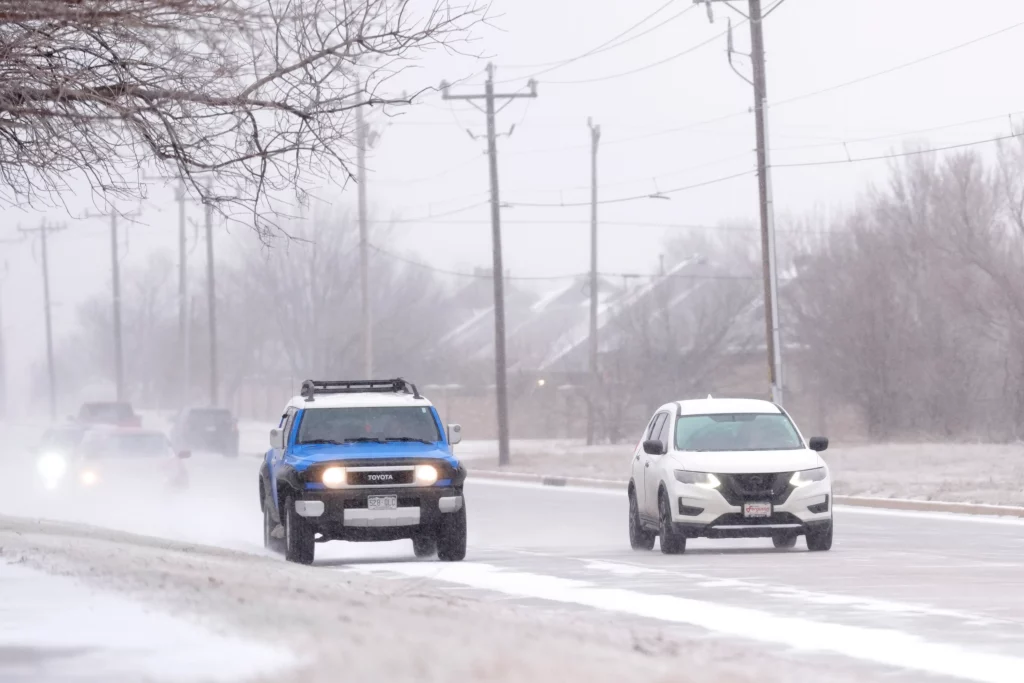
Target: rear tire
<point>424,546</point>
<point>820,540</point>
<point>269,542</point>
<point>299,537</point>
<point>451,538</point>
<point>639,538</point>
<point>784,540</point>
<point>671,544</point>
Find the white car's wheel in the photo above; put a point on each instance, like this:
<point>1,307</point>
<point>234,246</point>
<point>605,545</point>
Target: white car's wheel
<point>639,538</point>
<point>671,543</point>
<point>820,539</point>
<point>784,540</point>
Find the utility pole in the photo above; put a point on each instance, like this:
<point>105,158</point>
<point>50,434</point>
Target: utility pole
<point>595,137</point>
<point>43,231</point>
<point>498,276</point>
<point>211,299</point>
<point>115,265</point>
<point>183,355</point>
<point>764,185</point>
<point>364,245</point>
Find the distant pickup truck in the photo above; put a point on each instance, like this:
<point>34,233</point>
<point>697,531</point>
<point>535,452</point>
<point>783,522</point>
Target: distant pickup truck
<point>114,413</point>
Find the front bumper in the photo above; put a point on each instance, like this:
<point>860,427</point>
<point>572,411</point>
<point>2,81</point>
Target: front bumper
<point>344,514</point>
<point>700,512</point>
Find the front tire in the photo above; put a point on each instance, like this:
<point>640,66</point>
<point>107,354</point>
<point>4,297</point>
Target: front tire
<point>451,538</point>
<point>639,538</point>
<point>820,540</point>
<point>299,537</point>
<point>784,540</point>
<point>671,543</point>
<point>424,546</point>
<point>272,544</point>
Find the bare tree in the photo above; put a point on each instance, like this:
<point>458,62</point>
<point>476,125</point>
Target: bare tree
<point>258,92</point>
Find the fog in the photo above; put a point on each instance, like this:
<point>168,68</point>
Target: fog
<point>428,187</point>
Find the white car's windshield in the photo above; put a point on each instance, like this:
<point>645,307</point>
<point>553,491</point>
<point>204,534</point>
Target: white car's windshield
<point>737,432</point>
<point>320,425</point>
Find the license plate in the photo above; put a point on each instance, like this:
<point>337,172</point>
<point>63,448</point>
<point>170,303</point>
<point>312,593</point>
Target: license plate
<point>757,509</point>
<point>382,502</point>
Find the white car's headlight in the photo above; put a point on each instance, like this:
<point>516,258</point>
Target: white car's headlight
<point>805,477</point>
<point>425,474</point>
<point>333,477</point>
<point>89,478</point>
<point>52,465</point>
<point>705,480</point>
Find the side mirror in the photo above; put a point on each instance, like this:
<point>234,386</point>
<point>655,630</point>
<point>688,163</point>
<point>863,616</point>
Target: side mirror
<point>454,434</point>
<point>184,454</point>
<point>818,443</point>
<point>654,447</point>
<point>277,439</point>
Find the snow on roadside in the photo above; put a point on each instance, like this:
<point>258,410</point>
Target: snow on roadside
<point>60,628</point>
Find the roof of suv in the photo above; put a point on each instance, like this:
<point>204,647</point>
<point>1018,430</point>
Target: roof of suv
<point>358,400</point>
<point>721,406</point>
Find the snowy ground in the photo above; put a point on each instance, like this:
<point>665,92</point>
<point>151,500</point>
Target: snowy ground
<point>965,473</point>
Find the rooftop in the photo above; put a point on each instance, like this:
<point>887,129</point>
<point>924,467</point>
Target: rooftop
<point>357,400</point>
<point>724,406</point>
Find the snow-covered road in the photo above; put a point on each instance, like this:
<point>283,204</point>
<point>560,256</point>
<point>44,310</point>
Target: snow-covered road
<point>550,590</point>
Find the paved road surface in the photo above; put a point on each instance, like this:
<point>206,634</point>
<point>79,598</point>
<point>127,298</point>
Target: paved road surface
<point>902,596</point>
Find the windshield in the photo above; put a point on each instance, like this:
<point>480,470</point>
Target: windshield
<point>106,412</point>
<point>402,423</point>
<point>739,432</point>
<point>128,445</point>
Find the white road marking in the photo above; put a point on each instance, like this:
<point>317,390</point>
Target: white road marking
<point>881,646</point>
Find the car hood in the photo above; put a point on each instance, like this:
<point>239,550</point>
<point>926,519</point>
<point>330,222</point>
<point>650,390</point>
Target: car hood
<point>748,462</point>
<point>303,456</point>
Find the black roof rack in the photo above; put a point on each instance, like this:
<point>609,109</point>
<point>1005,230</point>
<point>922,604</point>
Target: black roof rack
<point>312,387</point>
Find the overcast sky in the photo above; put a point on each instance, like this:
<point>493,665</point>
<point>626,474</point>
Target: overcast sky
<point>671,117</point>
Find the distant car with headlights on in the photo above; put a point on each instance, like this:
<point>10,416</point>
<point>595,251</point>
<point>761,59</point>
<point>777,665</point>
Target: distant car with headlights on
<point>728,468</point>
<point>56,451</point>
<point>109,459</point>
<point>362,461</point>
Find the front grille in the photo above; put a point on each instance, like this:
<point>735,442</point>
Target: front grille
<point>755,488</point>
<point>314,474</point>
<point>380,478</point>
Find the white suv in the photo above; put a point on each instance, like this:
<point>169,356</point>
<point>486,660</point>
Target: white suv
<point>728,468</point>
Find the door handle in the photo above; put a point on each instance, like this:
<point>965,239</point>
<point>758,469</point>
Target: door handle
<point>637,457</point>
<point>647,464</point>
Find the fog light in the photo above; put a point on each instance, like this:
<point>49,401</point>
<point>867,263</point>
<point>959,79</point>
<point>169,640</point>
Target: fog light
<point>52,466</point>
<point>334,477</point>
<point>425,474</point>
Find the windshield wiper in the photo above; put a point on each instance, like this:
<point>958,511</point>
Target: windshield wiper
<point>365,439</point>
<point>407,438</point>
<point>320,441</point>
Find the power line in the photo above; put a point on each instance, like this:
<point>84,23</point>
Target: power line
<point>896,155</point>
<point>645,67</point>
<point>898,67</point>
<point>619,200</point>
<point>607,45</point>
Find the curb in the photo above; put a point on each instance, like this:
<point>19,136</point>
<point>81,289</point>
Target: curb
<point>853,501</point>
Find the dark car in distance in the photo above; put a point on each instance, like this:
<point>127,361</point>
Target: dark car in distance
<point>206,430</point>
<point>111,413</point>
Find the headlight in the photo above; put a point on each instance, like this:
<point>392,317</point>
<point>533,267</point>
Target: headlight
<point>89,478</point>
<point>425,474</point>
<point>334,477</point>
<point>805,477</point>
<point>705,480</point>
<point>52,465</point>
